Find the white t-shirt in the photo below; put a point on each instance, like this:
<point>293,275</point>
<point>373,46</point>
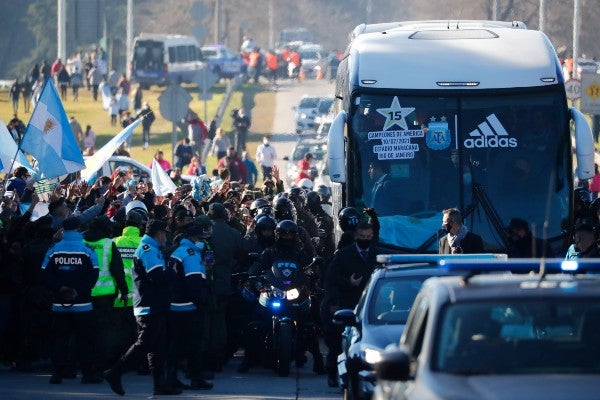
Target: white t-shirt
<point>266,155</point>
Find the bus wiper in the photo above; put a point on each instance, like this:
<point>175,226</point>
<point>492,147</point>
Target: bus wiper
<point>480,197</point>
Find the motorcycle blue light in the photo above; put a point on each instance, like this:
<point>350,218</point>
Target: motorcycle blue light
<point>276,304</point>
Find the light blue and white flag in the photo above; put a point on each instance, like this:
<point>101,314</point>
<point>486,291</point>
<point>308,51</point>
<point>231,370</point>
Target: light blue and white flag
<point>8,150</point>
<point>95,162</point>
<point>161,182</point>
<point>49,137</point>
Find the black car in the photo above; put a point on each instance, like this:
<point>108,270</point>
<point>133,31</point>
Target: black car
<point>381,314</point>
<point>377,321</point>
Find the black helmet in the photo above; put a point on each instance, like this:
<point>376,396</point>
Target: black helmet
<point>286,227</point>
<point>313,201</point>
<point>324,192</point>
<point>348,218</point>
<point>265,222</point>
<point>297,196</point>
<point>284,209</point>
<point>257,205</point>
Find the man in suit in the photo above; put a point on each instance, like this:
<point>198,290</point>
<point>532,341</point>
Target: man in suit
<point>382,191</point>
<point>345,278</point>
<point>458,239</point>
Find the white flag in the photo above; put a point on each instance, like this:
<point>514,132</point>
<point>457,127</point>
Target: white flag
<point>161,182</point>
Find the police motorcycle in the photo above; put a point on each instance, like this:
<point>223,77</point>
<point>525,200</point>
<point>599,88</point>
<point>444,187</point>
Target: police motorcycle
<point>284,295</point>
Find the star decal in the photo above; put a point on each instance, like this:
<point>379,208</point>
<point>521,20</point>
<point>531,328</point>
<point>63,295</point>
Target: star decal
<point>395,115</point>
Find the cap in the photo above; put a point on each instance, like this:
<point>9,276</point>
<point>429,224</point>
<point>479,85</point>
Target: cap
<point>217,211</point>
<point>194,229</point>
<point>203,220</point>
<point>155,225</point>
<point>71,224</point>
<point>518,223</point>
<point>584,226</point>
<point>269,181</point>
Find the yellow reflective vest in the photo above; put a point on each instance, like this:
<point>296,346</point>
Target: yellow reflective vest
<point>127,244</point>
<point>105,285</point>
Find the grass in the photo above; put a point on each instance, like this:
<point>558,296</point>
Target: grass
<point>88,112</point>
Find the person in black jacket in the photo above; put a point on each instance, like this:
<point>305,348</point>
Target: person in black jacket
<point>70,268</point>
<point>345,278</point>
<point>458,239</point>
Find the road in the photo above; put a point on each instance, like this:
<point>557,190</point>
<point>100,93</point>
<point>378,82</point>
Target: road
<point>258,383</point>
<point>288,96</point>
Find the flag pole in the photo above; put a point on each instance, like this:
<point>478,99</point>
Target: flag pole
<point>26,129</point>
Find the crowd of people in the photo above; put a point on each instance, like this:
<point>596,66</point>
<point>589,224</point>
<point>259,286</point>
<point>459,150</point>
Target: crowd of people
<point>114,274</point>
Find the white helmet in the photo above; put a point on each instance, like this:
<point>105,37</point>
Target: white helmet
<point>305,183</point>
<point>136,205</point>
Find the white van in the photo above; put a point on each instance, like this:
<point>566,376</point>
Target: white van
<point>158,59</point>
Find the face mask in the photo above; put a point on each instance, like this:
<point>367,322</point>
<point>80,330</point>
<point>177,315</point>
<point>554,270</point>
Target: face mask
<point>199,245</point>
<point>265,142</point>
<point>363,243</point>
<point>446,228</point>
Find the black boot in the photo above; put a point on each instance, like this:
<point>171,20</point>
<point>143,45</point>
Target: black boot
<point>201,384</point>
<point>160,388</point>
<point>113,377</point>
<point>318,365</point>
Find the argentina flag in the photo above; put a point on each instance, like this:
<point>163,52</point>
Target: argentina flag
<point>9,150</point>
<point>49,137</point>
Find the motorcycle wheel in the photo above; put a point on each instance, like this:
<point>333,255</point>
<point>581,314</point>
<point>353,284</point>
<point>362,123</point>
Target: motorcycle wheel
<point>284,349</point>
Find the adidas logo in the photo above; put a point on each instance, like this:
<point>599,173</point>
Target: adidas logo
<point>489,133</point>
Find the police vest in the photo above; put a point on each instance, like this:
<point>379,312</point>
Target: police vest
<point>105,284</point>
<point>127,244</point>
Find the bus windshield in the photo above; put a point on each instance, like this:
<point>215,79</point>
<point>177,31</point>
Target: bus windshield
<point>494,156</point>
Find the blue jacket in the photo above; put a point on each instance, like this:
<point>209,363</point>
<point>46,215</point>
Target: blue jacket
<point>188,277</point>
<point>73,264</point>
<point>150,280</point>
<point>251,171</point>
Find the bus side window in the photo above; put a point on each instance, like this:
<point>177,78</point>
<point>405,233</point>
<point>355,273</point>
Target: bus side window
<point>182,54</point>
<point>172,54</point>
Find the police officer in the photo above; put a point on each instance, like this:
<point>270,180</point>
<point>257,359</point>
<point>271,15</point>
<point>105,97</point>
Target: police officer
<point>151,304</point>
<point>127,244</point>
<point>111,277</point>
<point>70,268</point>
<point>288,249</point>
<point>188,303</point>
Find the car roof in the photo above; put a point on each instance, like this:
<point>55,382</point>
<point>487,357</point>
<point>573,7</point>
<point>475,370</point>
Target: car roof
<point>510,286</point>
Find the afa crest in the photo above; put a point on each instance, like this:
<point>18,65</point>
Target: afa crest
<point>438,134</point>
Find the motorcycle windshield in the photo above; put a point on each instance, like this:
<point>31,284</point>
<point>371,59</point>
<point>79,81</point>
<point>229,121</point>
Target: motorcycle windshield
<point>285,274</point>
<point>415,155</point>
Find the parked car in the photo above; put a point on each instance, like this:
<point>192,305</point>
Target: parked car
<point>314,60</point>
<point>305,113</point>
<point>516,329</point>
<point>223,61</point>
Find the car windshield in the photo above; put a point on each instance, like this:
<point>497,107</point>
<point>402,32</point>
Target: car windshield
<point>210,53</point>
<point>309,54</point>
<point>324,105</point>
<point>506,155</point>
<point>519,337</point>
<point>318,150</point>
<point>392,299</point>
<point>309,102</point>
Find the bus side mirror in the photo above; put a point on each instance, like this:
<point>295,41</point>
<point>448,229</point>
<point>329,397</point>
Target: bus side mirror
<point>584,145</point>
<point>336,159</point>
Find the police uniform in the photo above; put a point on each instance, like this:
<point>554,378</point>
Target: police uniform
<point>150,307</point>
<point>71,269</point>
<point>188,303</point>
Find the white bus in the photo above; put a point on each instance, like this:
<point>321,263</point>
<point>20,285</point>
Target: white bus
<point>158,59</point>
<point>468,114</point>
